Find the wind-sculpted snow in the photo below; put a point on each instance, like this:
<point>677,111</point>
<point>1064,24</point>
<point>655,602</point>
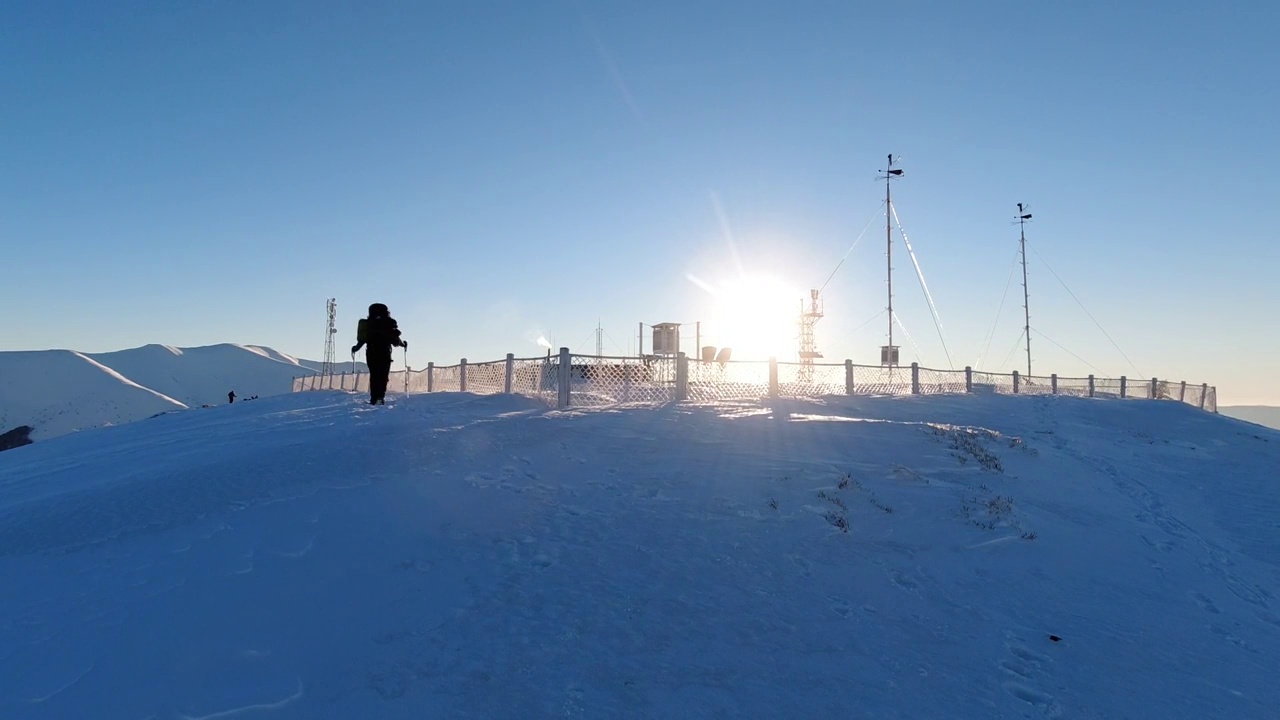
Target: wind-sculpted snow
<point>455,556</point>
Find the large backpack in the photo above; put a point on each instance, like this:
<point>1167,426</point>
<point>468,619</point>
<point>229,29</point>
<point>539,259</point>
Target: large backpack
<point>382,331</point>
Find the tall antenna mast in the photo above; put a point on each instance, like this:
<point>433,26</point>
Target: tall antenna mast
<point>1023,217</point>
<point>599,339</point>
<point>889,353</point>
<point>330,355</point>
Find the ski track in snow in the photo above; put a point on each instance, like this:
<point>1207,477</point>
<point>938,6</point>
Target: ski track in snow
<point>462,556</point>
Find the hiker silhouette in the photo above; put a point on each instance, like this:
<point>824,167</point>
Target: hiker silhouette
<point>378,333</point>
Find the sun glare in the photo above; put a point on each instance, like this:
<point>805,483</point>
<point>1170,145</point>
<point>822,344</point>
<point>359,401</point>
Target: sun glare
<point>756,316</point>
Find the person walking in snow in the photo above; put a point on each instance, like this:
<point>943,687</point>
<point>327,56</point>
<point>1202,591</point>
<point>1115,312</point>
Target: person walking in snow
<point>378,333</point>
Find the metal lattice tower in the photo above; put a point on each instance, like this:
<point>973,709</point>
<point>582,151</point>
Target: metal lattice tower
<point>330,354</point>
<point>809,317</point>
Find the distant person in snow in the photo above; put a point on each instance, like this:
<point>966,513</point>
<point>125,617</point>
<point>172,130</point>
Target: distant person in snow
<point>231,396</point>
<point>379,332</point>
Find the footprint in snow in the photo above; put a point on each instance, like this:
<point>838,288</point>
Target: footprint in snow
<point>1226,634</point>
<point>1016,668</point>
<point>801,563</point>
<point>1204,602</point>
<point>1042,700</point>
<point>840,606</point>
<point>1024,669</point>
<point>903,581</point>
<point>1156,544</point>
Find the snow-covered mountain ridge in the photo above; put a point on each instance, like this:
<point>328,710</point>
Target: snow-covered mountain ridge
<point>62,391</point>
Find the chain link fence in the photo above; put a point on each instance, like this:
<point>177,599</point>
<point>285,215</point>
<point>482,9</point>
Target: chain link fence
<point>566,380</point>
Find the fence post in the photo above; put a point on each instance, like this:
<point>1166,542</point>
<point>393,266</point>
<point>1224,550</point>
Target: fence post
<point>848,377</point>
<point>462,375</point>
<point>431,377</point>
<point>1124,386</point>
<point>1182,392</point>
<point>1155,389</point>
<point>565,375</point>
<point>915,378</point>
<point>1204,393</point>
<point>1090,386</point>
<point>1053,383</point>
<point>773,377</point>
<point>968,379</point>
<point>682,377</point>
<point>1015,382</point>
<point>511,366</point>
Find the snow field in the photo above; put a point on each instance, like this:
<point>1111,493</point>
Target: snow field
<point>455,556</point>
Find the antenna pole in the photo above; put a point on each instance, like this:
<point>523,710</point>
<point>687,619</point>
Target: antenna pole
<point>599,340</point>
<point>888,244</point>
<point>889,353</point>
<point>1023,217</point>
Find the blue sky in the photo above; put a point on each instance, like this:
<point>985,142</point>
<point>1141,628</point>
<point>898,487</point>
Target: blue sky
<point>193,173</point>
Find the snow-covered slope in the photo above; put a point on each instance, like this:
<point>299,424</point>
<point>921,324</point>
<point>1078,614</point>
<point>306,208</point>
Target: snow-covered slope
<point>310,365</point>
<point>452,556</point>
<point>61,391</point>
<point>204,375</point>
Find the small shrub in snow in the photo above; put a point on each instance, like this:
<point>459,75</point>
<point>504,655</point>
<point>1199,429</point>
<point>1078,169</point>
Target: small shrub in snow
<point>968,444</point>
<point>1000,506</point>
<point>834,500</point>
<point>835,517</point>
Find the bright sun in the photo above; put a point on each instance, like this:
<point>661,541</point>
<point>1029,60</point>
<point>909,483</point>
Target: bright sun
<point>757,316</point>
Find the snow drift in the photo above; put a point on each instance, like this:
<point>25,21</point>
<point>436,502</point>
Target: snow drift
<point>454,556</point>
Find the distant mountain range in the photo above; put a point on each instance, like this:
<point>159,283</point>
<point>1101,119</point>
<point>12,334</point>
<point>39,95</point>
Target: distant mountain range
<point>1261,414</point>
<point>55,392</point>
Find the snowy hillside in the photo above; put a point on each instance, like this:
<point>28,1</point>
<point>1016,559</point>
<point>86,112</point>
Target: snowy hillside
<point>204,375</point>
<point>60,391</point>
<point>453,556</point>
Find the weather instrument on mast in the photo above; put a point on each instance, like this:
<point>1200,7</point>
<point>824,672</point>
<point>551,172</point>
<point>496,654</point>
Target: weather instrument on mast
<point>1023,217</point>
<point>889,353</point>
